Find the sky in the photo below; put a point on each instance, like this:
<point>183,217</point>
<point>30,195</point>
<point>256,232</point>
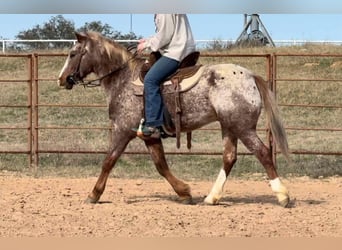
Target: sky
<point>311,27</point>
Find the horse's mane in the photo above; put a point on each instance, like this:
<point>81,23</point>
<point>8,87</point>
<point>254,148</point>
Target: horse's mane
<point>109,47</point>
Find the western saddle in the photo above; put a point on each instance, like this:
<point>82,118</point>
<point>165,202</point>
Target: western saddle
<point>187,69</point>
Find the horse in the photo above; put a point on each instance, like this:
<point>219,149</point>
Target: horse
<point>227,93</point>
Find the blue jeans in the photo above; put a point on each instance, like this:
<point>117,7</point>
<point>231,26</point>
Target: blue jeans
<point>154,106</point>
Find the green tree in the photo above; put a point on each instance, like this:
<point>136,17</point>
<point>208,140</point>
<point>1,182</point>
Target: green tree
<point>107,31</point>
<point>104,29</point>
<point>60,28</point>
<point>56,28</point>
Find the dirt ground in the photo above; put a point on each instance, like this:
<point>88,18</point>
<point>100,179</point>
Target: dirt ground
<point>35,207</point>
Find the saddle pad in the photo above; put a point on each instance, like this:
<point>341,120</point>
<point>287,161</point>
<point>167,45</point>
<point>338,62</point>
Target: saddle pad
<point>185,84</point>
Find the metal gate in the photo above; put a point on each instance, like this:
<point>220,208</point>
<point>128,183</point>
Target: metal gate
<point>267,65</point>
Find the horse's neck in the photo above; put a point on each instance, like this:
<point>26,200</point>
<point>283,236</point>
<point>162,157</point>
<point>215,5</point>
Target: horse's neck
<point>119,80</point>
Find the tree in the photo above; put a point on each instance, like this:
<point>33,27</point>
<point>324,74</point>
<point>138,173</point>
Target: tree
<point>60,28</point>
<point>104,29</point>
<point>107,31</point>
<point>56,28</point>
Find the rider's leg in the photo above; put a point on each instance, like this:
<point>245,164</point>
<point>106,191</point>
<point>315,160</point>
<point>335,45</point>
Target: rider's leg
<point>162,68</point>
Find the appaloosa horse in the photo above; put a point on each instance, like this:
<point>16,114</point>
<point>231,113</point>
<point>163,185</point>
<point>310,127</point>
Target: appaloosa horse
<point>227,93</point>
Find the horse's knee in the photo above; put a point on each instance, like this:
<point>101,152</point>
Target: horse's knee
<point>281,192</point>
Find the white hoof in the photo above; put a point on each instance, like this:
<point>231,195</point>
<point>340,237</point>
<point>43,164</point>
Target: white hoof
<point>283,199</point>
<point>210,200</point>
<point>281,192</point>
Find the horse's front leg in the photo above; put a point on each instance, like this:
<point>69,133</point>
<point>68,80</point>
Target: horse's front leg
<point>156,150</point>
<point>119,143</point>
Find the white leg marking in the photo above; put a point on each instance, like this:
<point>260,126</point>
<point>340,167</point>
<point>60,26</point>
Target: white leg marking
<point>216,191</point>
<point>281,191</point>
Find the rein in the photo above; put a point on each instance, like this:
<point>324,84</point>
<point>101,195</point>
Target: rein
<point>96,82</point>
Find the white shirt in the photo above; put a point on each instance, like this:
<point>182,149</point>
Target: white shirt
<point>173,37</point>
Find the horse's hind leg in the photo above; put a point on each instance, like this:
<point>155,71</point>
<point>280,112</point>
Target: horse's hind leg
<point>229,158</point>
<point>156,150</point>
<point>251,140</point>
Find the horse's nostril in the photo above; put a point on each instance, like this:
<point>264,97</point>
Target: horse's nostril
<point>71,80</point>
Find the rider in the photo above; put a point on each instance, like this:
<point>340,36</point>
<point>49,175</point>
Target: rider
<point>174,40</point>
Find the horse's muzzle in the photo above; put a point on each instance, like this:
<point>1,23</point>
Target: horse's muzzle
<point>71,81</point>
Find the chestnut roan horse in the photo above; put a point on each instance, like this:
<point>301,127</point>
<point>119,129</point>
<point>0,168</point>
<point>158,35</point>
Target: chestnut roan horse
<point>227,93</point>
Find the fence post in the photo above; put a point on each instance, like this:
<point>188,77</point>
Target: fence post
<point>35,109</point>
<point>30,65</point>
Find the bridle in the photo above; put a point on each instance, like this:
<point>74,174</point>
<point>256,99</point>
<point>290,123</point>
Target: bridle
<point>73,78</point>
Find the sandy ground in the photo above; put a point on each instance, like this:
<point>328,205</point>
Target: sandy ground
<point>149,208</point>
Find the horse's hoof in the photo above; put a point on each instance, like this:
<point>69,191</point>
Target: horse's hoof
<point>209,200</point>
<point>285,202</point>
<point>281,192</point>
<point>204,203</point>
<point>186,201</point>
<point>283,199</point>
<point>90,200</point>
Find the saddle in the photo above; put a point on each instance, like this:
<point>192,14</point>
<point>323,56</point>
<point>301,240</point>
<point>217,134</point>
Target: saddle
<point>186,68</point>
<point>185,78</point>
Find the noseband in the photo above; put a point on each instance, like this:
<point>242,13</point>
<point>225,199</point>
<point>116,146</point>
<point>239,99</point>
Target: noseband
<point>73,78</point>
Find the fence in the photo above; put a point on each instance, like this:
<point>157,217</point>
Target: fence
<point>8,45</point>
<point>41,99</point>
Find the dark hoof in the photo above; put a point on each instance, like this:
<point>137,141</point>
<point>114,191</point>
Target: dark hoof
<point>186,201</point>
<point>90,200</point>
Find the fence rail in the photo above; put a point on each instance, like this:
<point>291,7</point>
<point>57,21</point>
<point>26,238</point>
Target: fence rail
<point>8,45</point>
<point>34,80</point>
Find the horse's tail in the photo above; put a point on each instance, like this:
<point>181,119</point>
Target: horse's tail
<point>272,114</point>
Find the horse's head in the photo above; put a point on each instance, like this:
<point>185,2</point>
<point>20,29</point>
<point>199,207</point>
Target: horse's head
<point>78,64</point>
<point>96,54</point>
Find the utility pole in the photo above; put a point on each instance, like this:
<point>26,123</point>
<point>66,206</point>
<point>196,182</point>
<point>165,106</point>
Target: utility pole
<point>131,23</point>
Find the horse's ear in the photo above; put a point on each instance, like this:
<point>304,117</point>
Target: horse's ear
<point>80,36</point>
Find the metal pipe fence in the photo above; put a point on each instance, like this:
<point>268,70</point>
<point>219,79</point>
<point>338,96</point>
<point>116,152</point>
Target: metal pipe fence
<point>16,45</point>
<point>37,122</point>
